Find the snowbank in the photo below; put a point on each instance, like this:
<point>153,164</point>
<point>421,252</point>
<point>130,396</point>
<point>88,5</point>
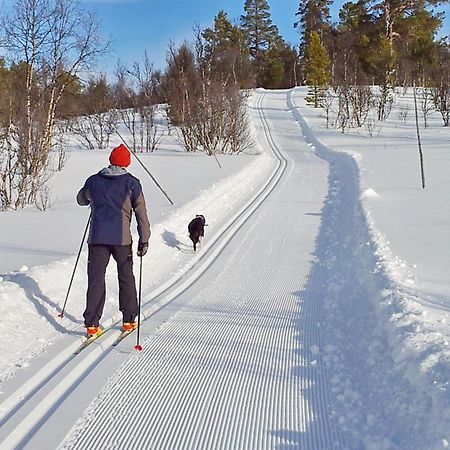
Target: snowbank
<point>399,319</point>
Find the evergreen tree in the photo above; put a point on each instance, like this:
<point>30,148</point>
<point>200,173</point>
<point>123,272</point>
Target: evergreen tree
<point>69,105</point>
<point>314,15</point>
<point>384,62</point>
<point>227,52</point>
<point>5,98</point>
<point>181,84</point>
<point>441,82</point>
<point>392,12</point>
<point>258,27</point>
<point>386,42</point>
<point>260,32</point>
<point>354,40</point>
<point>317,69</point>
<point>417,47</point>
<point>280,68</point>
<point>97,96</point>
<point>272,69</point>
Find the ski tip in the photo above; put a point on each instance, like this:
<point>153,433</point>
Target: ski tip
<point>138,347</point>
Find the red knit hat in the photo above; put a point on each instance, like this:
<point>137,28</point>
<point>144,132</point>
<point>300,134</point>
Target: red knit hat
<point>120,156</point>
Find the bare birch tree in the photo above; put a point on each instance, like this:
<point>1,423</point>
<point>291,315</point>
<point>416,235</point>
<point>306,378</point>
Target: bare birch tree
<point>52,41</point>
<point>205,102</point>
<point>136,99</point>
<point>98,119</point>
<point>441,91</point>
<point>147,80</point>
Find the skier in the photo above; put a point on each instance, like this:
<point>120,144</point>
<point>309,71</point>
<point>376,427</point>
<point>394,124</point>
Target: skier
<point>112,194</point>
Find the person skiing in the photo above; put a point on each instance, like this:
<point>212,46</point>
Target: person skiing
<point>113,194</point>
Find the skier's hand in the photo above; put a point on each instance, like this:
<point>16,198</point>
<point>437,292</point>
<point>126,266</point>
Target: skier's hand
<point>142,248</point>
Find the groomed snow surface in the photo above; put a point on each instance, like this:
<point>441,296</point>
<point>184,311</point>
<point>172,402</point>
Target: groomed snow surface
<point>314,316</point>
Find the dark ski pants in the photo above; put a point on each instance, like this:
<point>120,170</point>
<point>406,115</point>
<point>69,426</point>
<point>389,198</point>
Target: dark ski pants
<point>95,300</point>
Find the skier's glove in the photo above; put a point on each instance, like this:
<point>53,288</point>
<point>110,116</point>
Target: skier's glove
<point>142,248</point>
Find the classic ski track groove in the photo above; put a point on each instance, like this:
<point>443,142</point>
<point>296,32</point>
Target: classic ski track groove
<point>86,359</point>
<point>187,418</point>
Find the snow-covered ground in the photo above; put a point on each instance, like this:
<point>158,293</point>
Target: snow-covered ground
<point>387,277</point>
<point>39,248</point>
<point>410,223</point>
<point>323,282</point>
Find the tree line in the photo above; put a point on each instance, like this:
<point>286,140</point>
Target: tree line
<point>49,48</point>
<point>377,41</point>
<point>383,43</point>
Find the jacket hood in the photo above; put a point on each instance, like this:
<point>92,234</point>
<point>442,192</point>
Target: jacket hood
<point>113,171</point>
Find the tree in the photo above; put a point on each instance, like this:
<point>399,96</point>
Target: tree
<point>441,83</point>
<point>354,39</point>
<point>317,69</point>
<point>97,120</point>
<point>182,86</point>
<point>70,104</point>
<point>8,161</point>
<point>384,62</point>
<point>393,12</point>
<point>260,32</point>
<point>227,52</point>
<point>280,66</point>
<point>5,98</point>
<point>52,42</point>
<point>313,15</point>
<point>417,47</point>
<point>208,109</point>
<point>146,97</point>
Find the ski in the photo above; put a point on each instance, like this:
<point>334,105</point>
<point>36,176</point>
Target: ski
<point>122,336</point>
<point>89,341</point>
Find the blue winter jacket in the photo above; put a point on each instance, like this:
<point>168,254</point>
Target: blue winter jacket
<point>113,194</point>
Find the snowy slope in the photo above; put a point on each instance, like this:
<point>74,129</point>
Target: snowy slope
<point>34,296</point>
<point>307,320</point>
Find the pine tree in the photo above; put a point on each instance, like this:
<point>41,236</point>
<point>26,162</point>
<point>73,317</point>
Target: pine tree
<point>259,31</point>
<point>5,100</point>
<point>317,69</point>
<point>416,47</point>
<point>227,52</point>
<point>280,68</point>
<point>382,42</point>
<point>314,15</point>
<point>97,96</point>
<point>354,40</point>
<point>384,60</point>
<point>258,27</point>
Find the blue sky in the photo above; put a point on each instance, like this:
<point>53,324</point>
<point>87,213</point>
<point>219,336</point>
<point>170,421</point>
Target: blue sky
<point>134,26</point>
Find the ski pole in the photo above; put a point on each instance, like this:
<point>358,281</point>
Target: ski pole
<point>138,346</point>
<point>217,161</point>
<point>76,263</point>
<point>145,168</point>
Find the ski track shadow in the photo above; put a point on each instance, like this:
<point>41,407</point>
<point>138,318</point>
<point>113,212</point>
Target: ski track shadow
<point>39,300</point>
<point>171,240</point>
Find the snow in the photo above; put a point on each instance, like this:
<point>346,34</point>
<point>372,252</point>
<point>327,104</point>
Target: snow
<point>369,193</point>
<point>405,244</point>
<point>315,315</point>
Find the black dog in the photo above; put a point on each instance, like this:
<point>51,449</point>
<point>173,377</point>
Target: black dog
<point>196,229</point>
